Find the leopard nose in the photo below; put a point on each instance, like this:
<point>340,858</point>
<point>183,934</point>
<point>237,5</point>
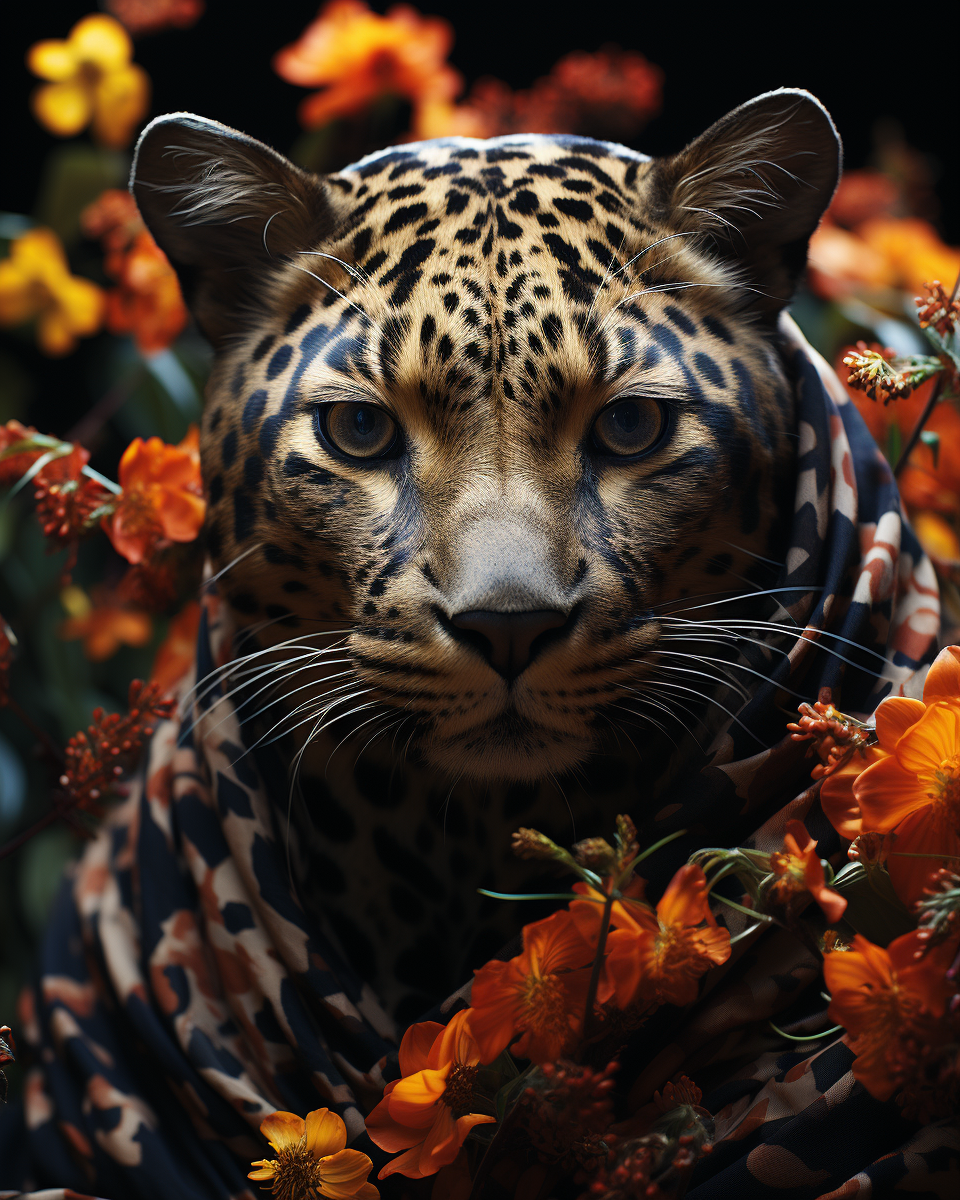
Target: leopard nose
<point>509,641</point>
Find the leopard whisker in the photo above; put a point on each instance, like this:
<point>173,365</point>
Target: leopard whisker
<point>208,583</point>
<point>738,666</point>
<point>798,630</point>
<point>665,683</point>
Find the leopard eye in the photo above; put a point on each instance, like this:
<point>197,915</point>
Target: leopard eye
<point>629,427</point>
<point>358,430</point>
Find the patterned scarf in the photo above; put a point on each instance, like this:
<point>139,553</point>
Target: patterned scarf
<point>183,993</point>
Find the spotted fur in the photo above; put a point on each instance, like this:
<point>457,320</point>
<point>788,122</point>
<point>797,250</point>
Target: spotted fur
<point>494,298</point>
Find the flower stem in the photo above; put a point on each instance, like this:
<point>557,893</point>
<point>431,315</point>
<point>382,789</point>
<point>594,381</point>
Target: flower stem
<point>597,963</point>
<point>928,408</point>
<point>809,1037</point>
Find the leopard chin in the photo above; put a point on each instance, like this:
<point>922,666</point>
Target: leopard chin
<point>508,749</point>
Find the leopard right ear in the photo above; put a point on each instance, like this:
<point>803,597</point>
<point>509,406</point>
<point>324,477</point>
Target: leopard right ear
<point>227,211</point>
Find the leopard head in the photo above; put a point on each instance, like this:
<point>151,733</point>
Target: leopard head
<point>483,412</point>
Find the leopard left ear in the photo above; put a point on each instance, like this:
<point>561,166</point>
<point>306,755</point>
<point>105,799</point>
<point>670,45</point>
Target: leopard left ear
<point>228,212</point>
<point>756,185</point>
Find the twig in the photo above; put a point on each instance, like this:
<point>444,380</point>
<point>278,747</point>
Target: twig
<point>44,738</point>
<point>928,408</point>
<point>597,962</point>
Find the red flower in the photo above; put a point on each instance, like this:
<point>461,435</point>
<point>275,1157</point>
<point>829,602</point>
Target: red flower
<point>178,649</point>
<point>798,871</point>
<point>887,1000</point>
<point>161,498</point>
<point>429,1112</point>
<point>540,994</point>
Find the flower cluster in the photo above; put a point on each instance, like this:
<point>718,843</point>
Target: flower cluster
<point>833,736</point>
<point>147,301</point>
<point>91,81</point>
<point>97,759</point>
<point>884,375</point>
<point>937,309</point>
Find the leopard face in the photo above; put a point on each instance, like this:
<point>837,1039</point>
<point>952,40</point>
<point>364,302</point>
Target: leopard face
<point>483,413</point>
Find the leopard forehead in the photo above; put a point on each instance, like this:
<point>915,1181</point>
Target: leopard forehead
<point>493,296</point>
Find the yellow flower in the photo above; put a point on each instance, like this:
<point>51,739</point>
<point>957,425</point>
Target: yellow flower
<point>91,80</point>
<point>311,1160</point>
<point>35,281</point>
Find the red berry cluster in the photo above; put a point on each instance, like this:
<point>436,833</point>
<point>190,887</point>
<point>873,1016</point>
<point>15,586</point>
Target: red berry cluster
<point>95,760</point>
<point>938,309</point>
<point>567,1113</point>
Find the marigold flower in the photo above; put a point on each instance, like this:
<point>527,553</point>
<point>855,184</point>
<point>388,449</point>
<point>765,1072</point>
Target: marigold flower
<point>311,1160</point>
<point>429,1112</point>
<point>92,80</point>
<point>887,1000</point>
<point>914,789</point>
<point>357,56</point>
<point>161,497</point>
<point>103,625</point>
<point>540,994</point>
<point>797,871</point>
<point>35,282</point>
<point>150,16</point>
<point>178,650</point>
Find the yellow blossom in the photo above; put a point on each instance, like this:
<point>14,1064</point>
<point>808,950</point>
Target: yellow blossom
<point>91,81</point>
<point>311,1160</point>
<point>35,281</point>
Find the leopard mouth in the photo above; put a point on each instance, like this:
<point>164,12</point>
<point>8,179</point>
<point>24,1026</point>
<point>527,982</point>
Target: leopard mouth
<point>509,747</point>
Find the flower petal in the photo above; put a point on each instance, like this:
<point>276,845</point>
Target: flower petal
<point>886,793</point>
<point>267,1169</point>
<point>101,40</point>
<point>52,60</point>
<point>283,1130</point>
<point>894,717</point>
<point>924,832</point>
<point>943,678</point>
<point>63,108</point>
<point>389,1134</point>
<point>416,1045</point>
<point>326,1133</point>
<point>933,738</point>
<point>413,1101</point>
<point>685,900</point>
<point>344,1174</point>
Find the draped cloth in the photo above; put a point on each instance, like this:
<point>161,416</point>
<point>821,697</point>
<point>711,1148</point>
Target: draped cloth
<point>183,993</point>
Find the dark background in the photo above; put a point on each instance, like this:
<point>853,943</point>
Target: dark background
<point>714,57</point>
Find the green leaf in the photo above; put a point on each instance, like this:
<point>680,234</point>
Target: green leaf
<point>873,908</point>
<point>949,346</point>
<point>74,176</point>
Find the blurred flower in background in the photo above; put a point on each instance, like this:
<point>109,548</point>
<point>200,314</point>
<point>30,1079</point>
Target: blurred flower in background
<point>35,283</point>
<point>92,82</point>
<point>142,17</point>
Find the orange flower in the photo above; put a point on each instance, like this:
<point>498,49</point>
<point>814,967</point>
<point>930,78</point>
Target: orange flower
<point>103,625</point>
<point>16,464</point>
<point>937,537</point>
<point>148,302</point>
<point>150,16</point>
<point>540,994</point>
<point>161,498</point>
<point>178,649</point>
<point>428,1113</point>
<point>357,56</point>
<point>913,251</point>
<point>885,999</point>
<point>663,960</point>
<point>35,281</point>
<point>311,1160</point>
<point>92,80</point>
<point>797,871</point>
<point>910,784</point>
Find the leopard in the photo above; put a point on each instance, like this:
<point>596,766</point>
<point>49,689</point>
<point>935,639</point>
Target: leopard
<point>484,416</point>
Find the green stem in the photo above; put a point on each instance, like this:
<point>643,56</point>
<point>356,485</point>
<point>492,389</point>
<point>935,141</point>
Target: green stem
<point>809,1037</point>
<point>532,895</point>
<point>597,963</point>
<point>757,916</point>
<point>653,849</point>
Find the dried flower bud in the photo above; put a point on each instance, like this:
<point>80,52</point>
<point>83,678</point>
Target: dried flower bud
<point>884,375</point>
<point>834,735</point>
<point>869,849</point>
<point>596,854</point>
<point>831,942</point>
<point>531,843</point>
<point>937,309</point>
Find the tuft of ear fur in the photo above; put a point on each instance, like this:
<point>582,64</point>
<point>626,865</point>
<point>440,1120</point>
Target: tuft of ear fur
<point>227,211</point>
<point>756,185</point>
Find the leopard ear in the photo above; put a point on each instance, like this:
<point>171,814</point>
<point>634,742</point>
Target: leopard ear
<point>756,185</point>
<point>227,211</point>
